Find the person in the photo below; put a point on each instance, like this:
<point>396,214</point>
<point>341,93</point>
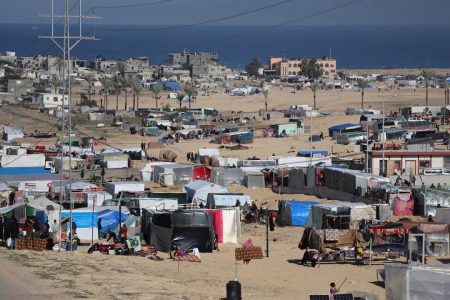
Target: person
<point>238,203</point>
<point>13,232</point>
<point>385,173</point>
<point>412,179</point>
<point>444,187</point>
<point>29,227</point>
<point>333,290</point>
<point>432,186</point>
<point>46,228</point>
<point>398,181</point>
<point>99,227</point>
<point>124,233</point>
<point>439,187</point>
<point>201,205</point>
<point>1,228</point>
<point>430,219</point>
<point>55,226</point>
<point>321,135</point>
<point>74,227</point>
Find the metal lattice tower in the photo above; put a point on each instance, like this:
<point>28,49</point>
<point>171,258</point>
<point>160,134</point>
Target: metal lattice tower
<point>71,35</point>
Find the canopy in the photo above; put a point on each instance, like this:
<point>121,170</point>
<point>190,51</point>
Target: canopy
<point>198,190</point>
<point>293,213</point>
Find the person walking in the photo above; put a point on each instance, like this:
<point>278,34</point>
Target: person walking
<point>14,233</point>
<point>99,227</point>
<point>55,227</point>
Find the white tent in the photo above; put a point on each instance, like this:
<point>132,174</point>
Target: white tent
<point>198,190</point>
<point>417,282</point>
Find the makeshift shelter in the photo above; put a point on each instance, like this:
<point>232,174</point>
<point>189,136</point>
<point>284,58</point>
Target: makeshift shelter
<point>226,200</point>
<point>347,127</point>
<point>339,216</point>
<point>182,229</point>
<point>254,179</point>
<point>227,176</point>
<point>114,160</point>
<point>201,172</point>
<point>115,188</point>
<point>28,160</point>
<point>172,174</point>
<point>24,210</point>
<point>293,213</point>
<point>197,191</point>
<point>86,221</point>
<point>417,282</point>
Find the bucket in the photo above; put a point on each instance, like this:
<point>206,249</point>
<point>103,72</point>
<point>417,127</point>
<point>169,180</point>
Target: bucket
<point>234,290</point>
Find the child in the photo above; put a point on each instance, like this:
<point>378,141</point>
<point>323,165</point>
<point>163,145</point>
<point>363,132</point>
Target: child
<point>333,290</point>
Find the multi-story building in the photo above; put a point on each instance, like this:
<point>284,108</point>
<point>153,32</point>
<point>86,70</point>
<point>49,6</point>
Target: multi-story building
<point>196,62</point>
<point>292,66</point>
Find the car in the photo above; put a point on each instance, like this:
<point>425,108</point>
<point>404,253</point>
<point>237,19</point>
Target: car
<point>100,124</point>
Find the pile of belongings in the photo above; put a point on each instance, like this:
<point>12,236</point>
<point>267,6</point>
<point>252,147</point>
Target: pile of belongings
<point>180,255</point>
<point>248,252</point>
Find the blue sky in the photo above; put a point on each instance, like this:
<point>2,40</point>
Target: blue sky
<point>368,12</point>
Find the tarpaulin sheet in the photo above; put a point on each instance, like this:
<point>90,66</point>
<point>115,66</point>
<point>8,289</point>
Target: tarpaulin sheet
<point>403,205</point>
<point>191,219</point>
<point>231,225</point>
<point>217,223</point>
<point>161,237</point>
<point>300,212</point>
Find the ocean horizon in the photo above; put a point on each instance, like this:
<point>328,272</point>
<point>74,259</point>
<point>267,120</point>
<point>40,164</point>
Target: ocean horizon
<point>354,47</point>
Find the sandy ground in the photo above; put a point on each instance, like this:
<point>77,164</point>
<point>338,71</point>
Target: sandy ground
<point>97,276</point>
<point>101,276</point>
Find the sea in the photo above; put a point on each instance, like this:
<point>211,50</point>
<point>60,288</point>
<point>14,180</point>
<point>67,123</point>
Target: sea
<point>354,47</point>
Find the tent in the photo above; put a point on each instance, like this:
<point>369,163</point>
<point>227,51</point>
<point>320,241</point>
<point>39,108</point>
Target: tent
<point>338,128</point>
<point>339,216</point>
<point>86,220</point>
<point>227,176</point>
<point>197,191</point>
<point>172,174</point>
<point>183,229</point>
<point>417,282</point>
<point>23,210</point>
<point>226,200</point>
<point>293,213</point>
<point>124,186</point>
<point>254,179</point>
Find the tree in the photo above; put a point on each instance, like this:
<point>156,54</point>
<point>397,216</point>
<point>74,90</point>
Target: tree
<point>125,82</point>
<point>427,76</point>
<point>446,86</point>
<point>311,69</point>
<point>363,85</point>
<point>266,95</point>
<point>315,87</point>
<point>116,80</point>
<point>136,87</point>
<point>120,68</point>
<point>156,89</point>
<point>180,97</point>
<point>253,67</point>
<point>107,85</point>
<point>190,91</point>
<point>90,80</point>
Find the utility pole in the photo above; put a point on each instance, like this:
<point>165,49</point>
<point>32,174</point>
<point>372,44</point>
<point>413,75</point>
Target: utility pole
<point>66,42</point>
<point>384,139</point>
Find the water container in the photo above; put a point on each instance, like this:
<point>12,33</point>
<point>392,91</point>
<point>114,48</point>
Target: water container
<point>234,290</point>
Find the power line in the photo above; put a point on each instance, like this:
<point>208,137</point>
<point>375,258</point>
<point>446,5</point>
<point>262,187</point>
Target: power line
<point>244,13</point>
<point>135,5</point>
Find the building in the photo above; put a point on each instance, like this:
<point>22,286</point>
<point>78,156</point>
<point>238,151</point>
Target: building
<point>17,87</point>
<point>49,100</point>
<point>292,67</point>
<point>196,62</point>
<point>411,161</point>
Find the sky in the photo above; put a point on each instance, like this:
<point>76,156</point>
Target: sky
<point>364,12</point>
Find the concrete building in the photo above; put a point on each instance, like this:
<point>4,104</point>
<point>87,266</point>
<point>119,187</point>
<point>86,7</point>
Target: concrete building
<point>9,56</point>
<point>17,87</point>
<point>292,67</point>
<point>411,161</point>
<point>196,62</point>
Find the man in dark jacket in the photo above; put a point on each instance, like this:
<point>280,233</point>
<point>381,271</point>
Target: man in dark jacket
<point>14,232</point>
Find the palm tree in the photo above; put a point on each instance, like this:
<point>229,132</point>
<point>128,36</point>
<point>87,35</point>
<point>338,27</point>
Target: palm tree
<point>266,95</point>
<point>136,87</point>
<point>156,89</point>
<point>116,80</point>
<point>190,91</point>
<point>446,86</point>
<point>107,85</point>
<point>89,79</point>
<point>315,87</point>
<point>120,68</point>
<point>427,76</point>
<point>125,81</point>
<point>363,84</point>
<point>180,97</point>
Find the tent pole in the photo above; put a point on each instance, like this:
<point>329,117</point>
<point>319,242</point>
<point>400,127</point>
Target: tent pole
<point>92,221</point>
<point>267,231</point>
<point>370,252</point>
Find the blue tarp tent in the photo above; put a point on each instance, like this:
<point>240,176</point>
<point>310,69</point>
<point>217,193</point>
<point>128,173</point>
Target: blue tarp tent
<point>293,213</point>
<point>305,153</point>
<point>85,222</point>
<point>23,171</point>
<point>172,85</point>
